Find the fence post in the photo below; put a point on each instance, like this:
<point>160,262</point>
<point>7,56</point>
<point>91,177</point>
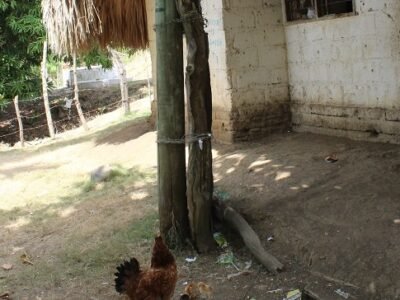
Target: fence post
<point>21,127</point>
<point>45,92</point>
<point>76,95</point>
<point>122,79</point>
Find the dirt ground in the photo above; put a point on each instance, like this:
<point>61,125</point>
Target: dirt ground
<point>336,219</point>
<point>333,224</point>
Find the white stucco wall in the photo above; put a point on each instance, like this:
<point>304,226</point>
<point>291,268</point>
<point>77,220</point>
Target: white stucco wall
<point>344,72</point>
<point>96,76</point>
<point>248,68</point>
<point>213,11</point>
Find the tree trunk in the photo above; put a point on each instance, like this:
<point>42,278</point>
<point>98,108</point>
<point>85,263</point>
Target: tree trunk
<point>76,95</point>
<point>250,238</point>
<point>174,221</point>
<point>123,81</point>
<point>20,125</point>
<point>198,90</point>
<point>45,93</point>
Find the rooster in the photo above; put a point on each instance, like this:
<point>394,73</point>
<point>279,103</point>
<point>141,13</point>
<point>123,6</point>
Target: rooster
<point>156,283</point>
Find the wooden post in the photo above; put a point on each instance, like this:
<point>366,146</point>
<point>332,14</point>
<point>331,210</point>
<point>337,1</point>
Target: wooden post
<point>198,91</point>
<point>76,95</point>
<point>45,93</point>
<point>174,221</point>
<point>148,65</point>
<point>21,127</point>
<point>122,79</point>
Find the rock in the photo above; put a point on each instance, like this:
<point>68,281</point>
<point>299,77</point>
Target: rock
<point>101,174</point>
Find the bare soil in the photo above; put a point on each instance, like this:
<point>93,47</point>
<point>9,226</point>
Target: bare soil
<point>332,223</point>
<point>335,219</point>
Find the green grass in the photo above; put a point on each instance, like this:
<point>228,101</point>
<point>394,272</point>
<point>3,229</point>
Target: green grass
<point>118,176</point>
<point>91,255</point>
<point>110,248</point>
<point>121,178</point>
<point>84,259</point>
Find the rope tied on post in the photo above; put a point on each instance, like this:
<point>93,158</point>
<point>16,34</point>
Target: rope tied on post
<point>189,17</point>
<point>187,139</point>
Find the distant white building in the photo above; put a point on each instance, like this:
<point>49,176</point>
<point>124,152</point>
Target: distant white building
<point>94,77</point>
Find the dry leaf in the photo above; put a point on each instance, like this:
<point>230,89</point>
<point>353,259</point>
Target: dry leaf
<point>7,267</point>
<point>26,259</point>
<point>331,158</point>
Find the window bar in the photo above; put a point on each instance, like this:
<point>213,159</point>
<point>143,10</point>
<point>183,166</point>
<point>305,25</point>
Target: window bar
<point>326,7</point>
<point>316,9</point>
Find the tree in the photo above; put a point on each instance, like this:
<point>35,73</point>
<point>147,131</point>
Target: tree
<point>45,92</point>
<point>199,99</point>
<point>122,78</point>
<point>96,56</point>
<point>22,63</point>
<point>172,202</point>
<point>76,95</point>
<point>72,27</point>
<point>21,40</point>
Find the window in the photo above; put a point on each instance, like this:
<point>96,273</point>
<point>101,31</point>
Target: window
<point>313,9</point>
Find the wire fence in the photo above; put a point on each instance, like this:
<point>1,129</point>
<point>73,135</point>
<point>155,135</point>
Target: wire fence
<point>7,102</point>
<point>112,105</point>
<point>58,97</point>
<point>87,113</point>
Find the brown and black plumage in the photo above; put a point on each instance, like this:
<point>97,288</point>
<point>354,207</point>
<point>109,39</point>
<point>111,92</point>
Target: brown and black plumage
<point>156,283</point>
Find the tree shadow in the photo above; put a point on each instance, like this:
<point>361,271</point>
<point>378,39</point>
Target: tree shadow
<point>12,171</point>
<point>126,133</point>
<point>128,129</point>
<point>325,215</point>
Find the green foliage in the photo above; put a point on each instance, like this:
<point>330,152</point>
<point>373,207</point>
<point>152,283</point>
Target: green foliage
<point>94,57</point>
<point>21,44</point>
<point>97,56</point>
<point>4,5</point>
<point>21,41</point>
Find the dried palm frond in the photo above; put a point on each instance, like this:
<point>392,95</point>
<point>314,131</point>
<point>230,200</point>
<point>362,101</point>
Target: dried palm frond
<point>124,23</point>
<point>70,24</point>
<point>74,25</point>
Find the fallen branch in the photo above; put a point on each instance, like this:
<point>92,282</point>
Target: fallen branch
<point>230,276</point>
<point>249,236</point>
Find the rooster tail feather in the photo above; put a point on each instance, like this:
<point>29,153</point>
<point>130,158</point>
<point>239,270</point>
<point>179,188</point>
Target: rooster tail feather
<point>126,272</point>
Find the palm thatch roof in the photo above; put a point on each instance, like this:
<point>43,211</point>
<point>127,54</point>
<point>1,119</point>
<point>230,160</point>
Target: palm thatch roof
<point>75,25</point>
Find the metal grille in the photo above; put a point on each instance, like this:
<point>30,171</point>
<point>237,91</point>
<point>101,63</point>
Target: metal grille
<point>313,9</point>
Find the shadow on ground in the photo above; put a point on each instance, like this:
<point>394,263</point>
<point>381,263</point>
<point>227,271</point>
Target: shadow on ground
<point>334,218</point>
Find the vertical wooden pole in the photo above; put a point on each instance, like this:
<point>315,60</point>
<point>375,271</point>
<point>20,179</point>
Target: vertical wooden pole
<point>198,91</point>
<point>76,95</point>
<point>122,80</point>
<point>148,65</point>
<point>174,221</point>
<point>21,127</point>
<point>45,93</point>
